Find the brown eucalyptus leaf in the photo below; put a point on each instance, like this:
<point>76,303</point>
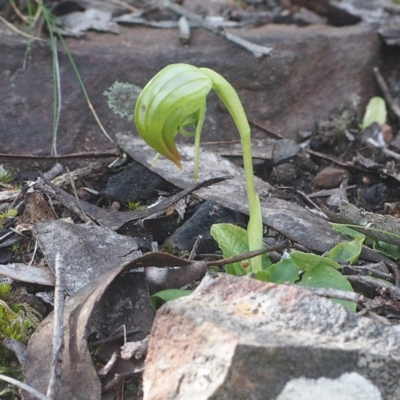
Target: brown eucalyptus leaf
<point>79,380</point>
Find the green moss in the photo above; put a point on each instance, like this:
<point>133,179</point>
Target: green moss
<point>6,177</point>
<point>134,205</point>
<point>17,321</point>
<point>10,213</point>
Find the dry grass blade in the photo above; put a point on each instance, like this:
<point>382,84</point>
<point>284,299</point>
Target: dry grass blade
<point>78,76</point>
<point>12,27</point>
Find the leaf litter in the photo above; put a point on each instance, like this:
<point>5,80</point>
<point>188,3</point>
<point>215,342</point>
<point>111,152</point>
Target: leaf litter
<point>99,288</point>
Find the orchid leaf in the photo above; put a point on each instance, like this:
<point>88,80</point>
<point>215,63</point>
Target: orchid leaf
<point>324,276</point>
<point>387,249</point>
<point>284,271</point>
<point>308,261</point>
<point>167,295</point>
<point>346,230</point>
<point>233,241</point>
<point>347,252</point>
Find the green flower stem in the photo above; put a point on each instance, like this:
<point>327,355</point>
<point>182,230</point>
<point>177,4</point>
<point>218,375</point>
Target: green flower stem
<point>174,100</point>
<point>230,98</point>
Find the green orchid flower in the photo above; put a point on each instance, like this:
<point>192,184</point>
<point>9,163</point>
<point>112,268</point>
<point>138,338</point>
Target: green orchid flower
<point>173,101</point>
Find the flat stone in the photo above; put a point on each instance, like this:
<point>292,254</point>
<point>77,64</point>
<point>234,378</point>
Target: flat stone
<point>285,173</point>
<point>312,71</point>
<point>238,338</point>
<point>135,183</point>
<point>284,150</point>
<point>209,213</point>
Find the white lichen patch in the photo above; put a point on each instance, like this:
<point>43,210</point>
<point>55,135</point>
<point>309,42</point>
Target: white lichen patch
<point>122,98</point>
<point>349,386</point>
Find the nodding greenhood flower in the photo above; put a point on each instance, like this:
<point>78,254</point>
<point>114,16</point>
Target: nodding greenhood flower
<point>173,101</point>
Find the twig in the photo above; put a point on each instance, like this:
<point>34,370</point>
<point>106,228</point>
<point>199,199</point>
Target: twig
<point>244,256</point>
<point>91,170</point>
<point>34,254</point>
<point>396,272</point>
<point>58,334</point>
<point>72,182</point>
<point>367,270</point>
<point>56,170</point>
<point>378,284</point>
<point>265,129</point>
<point>258,51</point>
<point>192,254</point>
<point>18,12</point>
<point>375,317</point>
<point>109,365</point>
<point>184,30</point>
<point>36,394</point>
<point>391,153</point>
<point>337,294</point>
<point>386,92</point>
<point>328,192</point>
<point>11,26</point>
<point>119,378</point>
<point>57,96</point>
<point>307,198</point>
<point>58,157</point>
<point>125,5</point>
<point>114,337</point>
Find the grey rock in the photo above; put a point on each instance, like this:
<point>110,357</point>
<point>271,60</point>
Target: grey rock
<point>312,72</point>
<point>134,183</point>
<point>209,213</point>
<point>285,173</point>
<point>284,150</point>
<point>238,338</point>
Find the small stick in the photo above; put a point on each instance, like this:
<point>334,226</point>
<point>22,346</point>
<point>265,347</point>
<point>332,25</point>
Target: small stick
<point>119,378</point>
<point>36,394</point>
<point>258,51</point>
<point>265,129</point>
<point>60,157</point>
<point>58,334</point>
<point>184,30</point>
<point>71,179</point>
<point>115,337</point>
<point>192,254</point>
<point>386,92</point>
<point>34,254</point>
<point>11,26</point>
<point>337,294</point>
<point>110,364</point>
<point>54,171</point>
<point>58,100</point>
<point>244,256</point>
<point>396,272</point>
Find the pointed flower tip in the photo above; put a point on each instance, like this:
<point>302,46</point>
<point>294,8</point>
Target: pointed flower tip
<point>178,163</point>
